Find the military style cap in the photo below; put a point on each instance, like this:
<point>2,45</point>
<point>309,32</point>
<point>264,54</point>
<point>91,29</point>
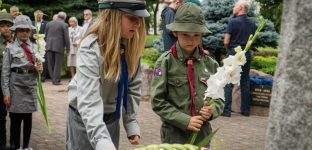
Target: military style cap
<point>193,1</point>
<point>22,21</point>
<point>6,17</point>
<point>134,7</point>
<point>189,18</point>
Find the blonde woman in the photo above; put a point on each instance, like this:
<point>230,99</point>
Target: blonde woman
<point>108,78</point>
<point>55,17</point>
<point>75,34</point>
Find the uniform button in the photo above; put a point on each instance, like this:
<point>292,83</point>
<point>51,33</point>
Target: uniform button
<point>195,93</point>
<point>177,82</point>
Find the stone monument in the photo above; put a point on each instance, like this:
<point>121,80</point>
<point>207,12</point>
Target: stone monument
<point>290,119</point>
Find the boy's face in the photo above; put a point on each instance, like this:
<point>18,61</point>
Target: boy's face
<point>4,29</point>
<point>22,34</point>
<point>188,40</point>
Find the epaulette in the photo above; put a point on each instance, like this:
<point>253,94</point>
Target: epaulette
<point>88,41</point>
<point>163,55</point>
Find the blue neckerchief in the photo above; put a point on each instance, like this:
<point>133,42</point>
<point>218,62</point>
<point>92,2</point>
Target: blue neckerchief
<point>123,84</point>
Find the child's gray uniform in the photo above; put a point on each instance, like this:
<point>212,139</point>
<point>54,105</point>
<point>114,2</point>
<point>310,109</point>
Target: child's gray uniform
<point>22,86</point>
<point>92,98</point>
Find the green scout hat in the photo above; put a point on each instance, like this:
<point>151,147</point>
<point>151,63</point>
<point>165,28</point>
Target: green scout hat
<point>134,7</point>
<point>6,17</point>
<point>22,21</point>
<point>189,18</point>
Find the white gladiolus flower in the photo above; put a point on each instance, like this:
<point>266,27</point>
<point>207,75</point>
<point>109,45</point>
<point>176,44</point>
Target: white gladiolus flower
<point>240,58</point>
<point>218,94</point>
<point>238,49</point>
<point>235,75</point>
<point>38,56</point>
<point>41,51</point>
<point>230,62</point>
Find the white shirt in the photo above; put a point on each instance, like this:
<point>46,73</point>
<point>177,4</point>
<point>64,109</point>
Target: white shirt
<point>86,24</point>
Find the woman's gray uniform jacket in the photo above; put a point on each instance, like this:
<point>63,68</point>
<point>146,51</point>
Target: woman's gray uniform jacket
<point>21,87</point>
<point>92,95</point>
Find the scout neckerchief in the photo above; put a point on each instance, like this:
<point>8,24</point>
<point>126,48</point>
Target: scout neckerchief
<point>123,83</point>
<point>190,75</point>
<point>28,53</point>
<point>7,42</point>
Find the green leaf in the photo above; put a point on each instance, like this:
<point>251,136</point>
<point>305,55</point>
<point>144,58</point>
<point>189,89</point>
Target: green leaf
<point>206,140</point>
<point>41,99</point>
<point>192,139</point>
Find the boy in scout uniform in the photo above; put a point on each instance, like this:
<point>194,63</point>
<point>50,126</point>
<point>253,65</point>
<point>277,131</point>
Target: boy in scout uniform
<point>19,80</point>
<point>179,81</point>
<point>5,39</point>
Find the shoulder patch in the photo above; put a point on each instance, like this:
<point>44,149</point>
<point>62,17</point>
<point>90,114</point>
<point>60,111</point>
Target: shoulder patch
<point>157,72</point>
<point>7,49</point>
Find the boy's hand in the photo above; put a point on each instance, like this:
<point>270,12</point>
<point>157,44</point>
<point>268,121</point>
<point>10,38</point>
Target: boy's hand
<point>206,111</point>
<point>195,123</point>
<point>134,139</point>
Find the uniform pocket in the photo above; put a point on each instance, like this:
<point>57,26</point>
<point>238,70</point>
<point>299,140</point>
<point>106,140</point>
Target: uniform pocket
<point>178,86</point>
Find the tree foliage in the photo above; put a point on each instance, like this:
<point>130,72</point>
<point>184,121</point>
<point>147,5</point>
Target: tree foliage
<point>73,8</point>
<point>272,10</point>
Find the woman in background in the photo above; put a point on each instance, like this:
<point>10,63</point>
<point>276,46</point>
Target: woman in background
<point>75,33</point>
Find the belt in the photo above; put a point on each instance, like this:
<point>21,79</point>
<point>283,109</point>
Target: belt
<point>21,71</point>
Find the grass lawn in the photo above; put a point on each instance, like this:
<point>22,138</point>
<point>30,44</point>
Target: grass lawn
<point>150,39</point>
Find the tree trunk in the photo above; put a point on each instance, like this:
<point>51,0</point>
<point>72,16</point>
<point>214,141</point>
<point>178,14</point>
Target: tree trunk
<point>290,120</point>
<point>155,18</point>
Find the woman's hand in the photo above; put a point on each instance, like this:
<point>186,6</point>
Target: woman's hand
<point>39,67</point>
<point>134,139</point>
<point>7,100</point>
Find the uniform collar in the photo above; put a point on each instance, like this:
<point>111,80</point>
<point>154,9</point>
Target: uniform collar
<point>182,56</point>
<point>18,42</point>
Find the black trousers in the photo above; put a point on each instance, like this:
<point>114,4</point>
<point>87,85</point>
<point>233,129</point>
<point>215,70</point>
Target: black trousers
<point>3,114</point>
<point>16,122</point>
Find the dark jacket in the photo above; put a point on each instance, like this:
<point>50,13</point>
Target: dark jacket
<point>57,37</point>
<point>41,31</point>
<point>167,16</point>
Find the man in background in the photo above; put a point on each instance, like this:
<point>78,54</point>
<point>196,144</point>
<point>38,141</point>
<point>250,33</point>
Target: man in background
<point>87,15</point>
<point>14,12</point>
<point>57,38</point>
<point>167,16</point>
<point>41,26</point>
<point>237,33</point>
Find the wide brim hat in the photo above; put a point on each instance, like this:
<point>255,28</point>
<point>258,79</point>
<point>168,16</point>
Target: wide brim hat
<point>4,16</point>
<point>134,7</point>
<point>189,18</point>
<point>22,21</point>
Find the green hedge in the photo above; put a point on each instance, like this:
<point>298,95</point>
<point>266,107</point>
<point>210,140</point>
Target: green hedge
<point>150,56</point>
<point>264,64</point>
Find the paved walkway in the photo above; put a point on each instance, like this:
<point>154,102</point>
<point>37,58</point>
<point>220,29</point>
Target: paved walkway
<point>238,132</point>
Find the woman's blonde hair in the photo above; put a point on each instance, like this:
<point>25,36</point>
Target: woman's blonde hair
<point>107,27</point>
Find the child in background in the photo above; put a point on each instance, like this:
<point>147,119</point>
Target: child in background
<point>179,81</point>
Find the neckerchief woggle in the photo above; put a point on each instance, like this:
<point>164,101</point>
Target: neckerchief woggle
<point>123,83</point>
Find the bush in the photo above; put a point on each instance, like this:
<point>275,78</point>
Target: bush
<point>264,64</point>
<point>150,56</point>
<point>266,53</point>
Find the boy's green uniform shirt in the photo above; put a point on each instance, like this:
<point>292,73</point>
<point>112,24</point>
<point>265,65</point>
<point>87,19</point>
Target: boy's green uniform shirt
<point>170,92</point>
<point>2,49</point>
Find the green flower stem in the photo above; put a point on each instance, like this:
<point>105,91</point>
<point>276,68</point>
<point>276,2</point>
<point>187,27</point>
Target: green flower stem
<point>40,92</point>
<point>252,38</point>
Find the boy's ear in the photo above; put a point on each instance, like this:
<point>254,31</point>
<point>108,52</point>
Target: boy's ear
<point>175,33</point>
